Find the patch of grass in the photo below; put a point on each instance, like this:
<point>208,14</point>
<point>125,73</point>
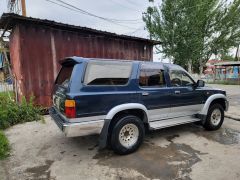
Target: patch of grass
<point>4,146</point>
<point>12,113</point>
<point>225,82</point>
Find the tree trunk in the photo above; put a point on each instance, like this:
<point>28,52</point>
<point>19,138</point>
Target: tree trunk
<point>200,70</point>
<point>190,66</point>
<point>200,67</point>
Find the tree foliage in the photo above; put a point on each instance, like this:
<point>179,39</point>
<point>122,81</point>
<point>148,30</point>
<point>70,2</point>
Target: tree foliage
<point>191,31</point>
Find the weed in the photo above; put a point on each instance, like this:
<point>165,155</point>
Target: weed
<point>12,113</point>
<point>4,146</point>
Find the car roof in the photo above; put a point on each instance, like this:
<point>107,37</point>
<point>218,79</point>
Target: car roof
<point>77,59</point>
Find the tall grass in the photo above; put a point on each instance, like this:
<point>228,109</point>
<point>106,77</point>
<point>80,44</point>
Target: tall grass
<point>12,113</point>
<point>4,146</point>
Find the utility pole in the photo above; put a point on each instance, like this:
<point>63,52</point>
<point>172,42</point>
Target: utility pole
<point>23,3</point>
<point>17,7</point>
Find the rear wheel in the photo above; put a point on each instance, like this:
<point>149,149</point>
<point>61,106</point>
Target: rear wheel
<point>127,135</point>
<point>215,117</point>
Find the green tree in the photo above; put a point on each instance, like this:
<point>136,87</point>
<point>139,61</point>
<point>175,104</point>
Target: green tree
<point>227,57</point>
<point>191,31</point>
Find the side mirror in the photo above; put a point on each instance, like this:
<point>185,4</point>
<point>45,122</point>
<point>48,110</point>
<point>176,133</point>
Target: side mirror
<point>200,83</point>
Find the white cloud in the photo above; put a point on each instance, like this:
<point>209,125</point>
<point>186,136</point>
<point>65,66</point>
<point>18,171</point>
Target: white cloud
<point>125,9</point>
<point>115,9</point>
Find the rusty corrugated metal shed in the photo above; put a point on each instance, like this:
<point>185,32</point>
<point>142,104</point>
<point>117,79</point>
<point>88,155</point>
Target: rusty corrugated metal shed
<point>9,20</point>
<point>37,45</point>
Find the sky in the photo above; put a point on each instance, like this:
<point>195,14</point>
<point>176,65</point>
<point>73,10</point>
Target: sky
<point>112,9</point>
<point>116,9</point>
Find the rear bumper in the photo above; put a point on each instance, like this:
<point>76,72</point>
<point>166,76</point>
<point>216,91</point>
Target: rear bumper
<point>76,129</point>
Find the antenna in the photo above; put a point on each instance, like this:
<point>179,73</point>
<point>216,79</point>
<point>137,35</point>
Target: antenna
<point>17,7</point>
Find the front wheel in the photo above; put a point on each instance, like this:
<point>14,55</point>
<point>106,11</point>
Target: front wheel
<point>127,135</point>
<point>215,117</point>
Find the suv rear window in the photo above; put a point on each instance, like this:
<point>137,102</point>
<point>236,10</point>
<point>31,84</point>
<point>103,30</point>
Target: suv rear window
<point>107,73</point>
<point>64,76</point>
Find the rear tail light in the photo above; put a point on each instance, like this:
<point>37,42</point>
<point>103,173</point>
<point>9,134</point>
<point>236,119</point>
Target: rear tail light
<point>70,108</point>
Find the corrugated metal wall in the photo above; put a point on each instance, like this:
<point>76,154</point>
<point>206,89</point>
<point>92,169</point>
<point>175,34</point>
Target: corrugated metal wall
<point>35,51</point>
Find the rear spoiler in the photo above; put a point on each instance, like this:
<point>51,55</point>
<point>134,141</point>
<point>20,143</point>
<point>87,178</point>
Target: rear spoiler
<point>68,62</point>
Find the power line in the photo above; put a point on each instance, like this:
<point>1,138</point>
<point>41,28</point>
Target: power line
<point>61,5</point>
<point>131,2</point>
<point>118,3</point>
<point>76,9</point>
<point>94,15</point>
<point>136,30</point>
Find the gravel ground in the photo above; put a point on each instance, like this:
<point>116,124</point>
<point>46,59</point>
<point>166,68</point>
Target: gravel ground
<point>40,151</point>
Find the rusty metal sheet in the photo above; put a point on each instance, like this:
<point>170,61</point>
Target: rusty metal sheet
<point>35,51</point>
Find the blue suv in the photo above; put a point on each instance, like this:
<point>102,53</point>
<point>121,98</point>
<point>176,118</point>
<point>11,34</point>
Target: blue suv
<point>120,100</point>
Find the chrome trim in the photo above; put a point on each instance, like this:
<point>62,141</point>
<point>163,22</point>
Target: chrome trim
<point>86,119</point>
<point>205,108</point>
<point>127,106</point>
<point>172,122</point>
<point>83,129</point>
<point>177,92</point>
<point>71,129</point>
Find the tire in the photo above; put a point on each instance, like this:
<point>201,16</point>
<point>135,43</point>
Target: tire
<point>127,135</point>
<point>215,117</point>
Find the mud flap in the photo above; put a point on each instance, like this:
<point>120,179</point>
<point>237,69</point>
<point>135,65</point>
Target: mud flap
<point>104,134</point>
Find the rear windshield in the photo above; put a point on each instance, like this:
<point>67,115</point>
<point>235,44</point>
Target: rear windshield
<point>107,73</point>
<point>64,76</point>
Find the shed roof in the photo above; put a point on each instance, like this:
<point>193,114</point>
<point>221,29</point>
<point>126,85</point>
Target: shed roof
<point>228,63</point>
<point>9,20</point>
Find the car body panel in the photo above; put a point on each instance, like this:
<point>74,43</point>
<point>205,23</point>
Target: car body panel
<point>98,104</point>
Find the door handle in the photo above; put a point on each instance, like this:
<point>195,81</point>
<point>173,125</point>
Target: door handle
<point>145,93</point>
<point>177,92</point>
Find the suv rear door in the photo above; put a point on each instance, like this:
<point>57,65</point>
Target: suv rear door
<point>61,86</point>
<point>154,93</point>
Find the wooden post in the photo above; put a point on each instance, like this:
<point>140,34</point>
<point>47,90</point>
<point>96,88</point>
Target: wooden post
<point>23,3</point>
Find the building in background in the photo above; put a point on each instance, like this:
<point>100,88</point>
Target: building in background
<point>209,72</point>
<point>37,45</point>
<point>228,70</point>
<point>219,70</point>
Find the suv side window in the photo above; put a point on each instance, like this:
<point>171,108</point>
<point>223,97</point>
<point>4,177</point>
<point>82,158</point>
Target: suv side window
<point>107,73</point>
<point>152,78</point>
<point>180,78</point>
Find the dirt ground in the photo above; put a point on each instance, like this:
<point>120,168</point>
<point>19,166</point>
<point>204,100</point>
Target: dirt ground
<point>40,151</point>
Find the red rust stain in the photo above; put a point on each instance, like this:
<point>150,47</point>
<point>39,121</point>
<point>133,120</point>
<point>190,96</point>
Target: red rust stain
<point>33,55</point>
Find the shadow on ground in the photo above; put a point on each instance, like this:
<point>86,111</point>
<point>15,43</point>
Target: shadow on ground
<point>160,156</point>
<point>170,162</point>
